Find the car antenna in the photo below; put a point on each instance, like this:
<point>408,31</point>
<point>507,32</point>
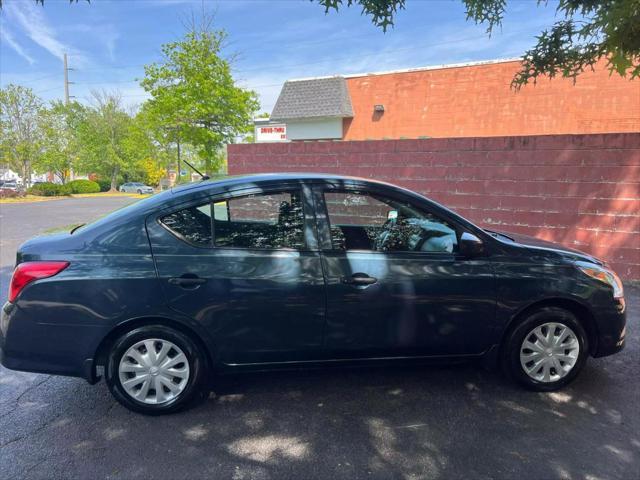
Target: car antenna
<point>204,177</point>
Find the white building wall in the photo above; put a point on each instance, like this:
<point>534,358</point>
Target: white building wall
<point>316,129</point>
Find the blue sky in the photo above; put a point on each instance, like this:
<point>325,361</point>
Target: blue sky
<point>108,42</point>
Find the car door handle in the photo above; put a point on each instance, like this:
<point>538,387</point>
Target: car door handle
<point>359,279</point>
<point>187,281</point>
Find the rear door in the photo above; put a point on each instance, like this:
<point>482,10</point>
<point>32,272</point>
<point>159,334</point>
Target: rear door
<point>396,285</point>
<point>246,266</point>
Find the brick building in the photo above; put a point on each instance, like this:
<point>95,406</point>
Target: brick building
<point>461,100</point>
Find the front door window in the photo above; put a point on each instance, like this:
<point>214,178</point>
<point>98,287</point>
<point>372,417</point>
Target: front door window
<point>364,221</point>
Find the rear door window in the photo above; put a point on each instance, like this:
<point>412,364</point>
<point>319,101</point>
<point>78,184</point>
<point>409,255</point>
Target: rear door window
<point>260,221</point>
<point>266,220</point>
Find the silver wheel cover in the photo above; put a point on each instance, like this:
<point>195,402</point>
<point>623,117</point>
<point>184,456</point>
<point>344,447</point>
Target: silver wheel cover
<point>154,371</point>
<point>549,352</point>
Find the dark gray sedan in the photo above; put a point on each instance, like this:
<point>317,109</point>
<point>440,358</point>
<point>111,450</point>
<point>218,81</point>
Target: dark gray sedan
<point>281,271</point>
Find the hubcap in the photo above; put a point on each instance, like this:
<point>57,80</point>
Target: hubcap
<point>154,371</point>
<point>549,352</point>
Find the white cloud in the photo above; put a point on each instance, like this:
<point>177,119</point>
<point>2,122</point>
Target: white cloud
<point>30,17</point>
<point>11,41</point>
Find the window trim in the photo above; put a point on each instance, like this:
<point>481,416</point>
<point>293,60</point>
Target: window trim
<point>308,216</point>
<point>320,202</point>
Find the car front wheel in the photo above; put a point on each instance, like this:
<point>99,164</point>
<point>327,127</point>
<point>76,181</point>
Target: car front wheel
<point>547,350</point>
<point>155,370</point>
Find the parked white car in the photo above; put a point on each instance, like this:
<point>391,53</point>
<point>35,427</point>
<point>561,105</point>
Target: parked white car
<point>136,187</point>
<point>8,185</point>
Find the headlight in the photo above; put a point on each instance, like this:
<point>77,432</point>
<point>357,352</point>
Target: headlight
<point>604,275</point>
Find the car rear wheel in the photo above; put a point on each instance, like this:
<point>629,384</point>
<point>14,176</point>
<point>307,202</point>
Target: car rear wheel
<point>155,370</point>
<point>547,350</point>
<point>139,192</point>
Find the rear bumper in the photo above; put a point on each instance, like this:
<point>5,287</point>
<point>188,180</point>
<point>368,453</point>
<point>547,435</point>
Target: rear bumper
<point>28,346</point>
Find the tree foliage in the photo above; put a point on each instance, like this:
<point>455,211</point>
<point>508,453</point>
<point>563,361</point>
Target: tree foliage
<point>587,31</point>
<point>20,134</point>
<point>59,136</point>
<point>103,134</point>
<point>194,96</point>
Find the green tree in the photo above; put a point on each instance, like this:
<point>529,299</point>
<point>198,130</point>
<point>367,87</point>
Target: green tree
<point>103,135</point>
<point>194,96</point>
<point>20,142</point>
<point>59,136</point>
<point>149,158</point>
<point>587,30</point>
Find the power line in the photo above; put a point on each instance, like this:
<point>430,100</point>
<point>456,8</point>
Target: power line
<point>39,79</point>
<point>47,90</point>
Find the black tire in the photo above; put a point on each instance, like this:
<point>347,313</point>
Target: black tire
<point>195,387</point>
<point>139,192</point>
<point>514,340</point>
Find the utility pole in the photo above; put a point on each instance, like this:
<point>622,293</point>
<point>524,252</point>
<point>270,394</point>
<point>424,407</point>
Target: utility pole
<point>66,95</point>
<point>66,81</point>
<point>179,166</point>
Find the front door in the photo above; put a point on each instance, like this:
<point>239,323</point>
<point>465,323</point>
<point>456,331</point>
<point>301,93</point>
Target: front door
<point>246,267</point>
<point>396,285</point>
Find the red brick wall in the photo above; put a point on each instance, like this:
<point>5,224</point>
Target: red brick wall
<point>580,190</point>
<point>477,101</point>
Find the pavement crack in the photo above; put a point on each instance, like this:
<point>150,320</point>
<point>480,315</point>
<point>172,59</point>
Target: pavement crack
<point>28,470</point>
<point>16,402</point>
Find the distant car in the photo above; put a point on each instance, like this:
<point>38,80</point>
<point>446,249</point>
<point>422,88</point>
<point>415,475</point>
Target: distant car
<point>136,187</point>
<point>9,185</point>
<point>288,270</point>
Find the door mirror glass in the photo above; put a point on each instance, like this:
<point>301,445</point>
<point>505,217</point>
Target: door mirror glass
<point>470,245</point>
<point>392,214</point>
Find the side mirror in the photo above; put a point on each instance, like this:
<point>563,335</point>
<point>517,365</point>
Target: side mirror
<point>470,245</point>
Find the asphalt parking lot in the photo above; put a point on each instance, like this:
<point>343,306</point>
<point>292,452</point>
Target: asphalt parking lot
<point>415,423</point>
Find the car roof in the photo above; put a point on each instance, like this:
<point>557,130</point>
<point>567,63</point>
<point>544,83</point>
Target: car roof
<point>262,178</point>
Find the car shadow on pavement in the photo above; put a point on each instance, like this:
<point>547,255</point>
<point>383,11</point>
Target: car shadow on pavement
<point>435,422</point>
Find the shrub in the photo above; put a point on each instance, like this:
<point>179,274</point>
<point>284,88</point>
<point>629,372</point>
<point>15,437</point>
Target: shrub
<point>81,186</point>
<point>45,189</point>
<point>105,185</point>
<point>65,189</point>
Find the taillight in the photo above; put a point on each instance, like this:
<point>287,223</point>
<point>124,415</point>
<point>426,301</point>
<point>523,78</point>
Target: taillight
<point>27,272</point>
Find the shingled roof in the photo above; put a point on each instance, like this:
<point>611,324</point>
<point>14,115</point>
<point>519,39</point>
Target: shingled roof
<point>313,98</point>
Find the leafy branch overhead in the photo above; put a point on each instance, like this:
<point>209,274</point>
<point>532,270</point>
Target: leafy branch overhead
<point>588,31</point>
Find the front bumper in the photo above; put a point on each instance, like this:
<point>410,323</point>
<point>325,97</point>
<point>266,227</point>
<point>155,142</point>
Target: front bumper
<point>611,323</point>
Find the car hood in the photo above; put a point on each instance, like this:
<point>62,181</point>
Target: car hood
<point>554,248</point>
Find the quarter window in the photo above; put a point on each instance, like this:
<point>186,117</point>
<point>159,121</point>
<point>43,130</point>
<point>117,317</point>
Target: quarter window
<point>364,221</point>
<point>193,224</point>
